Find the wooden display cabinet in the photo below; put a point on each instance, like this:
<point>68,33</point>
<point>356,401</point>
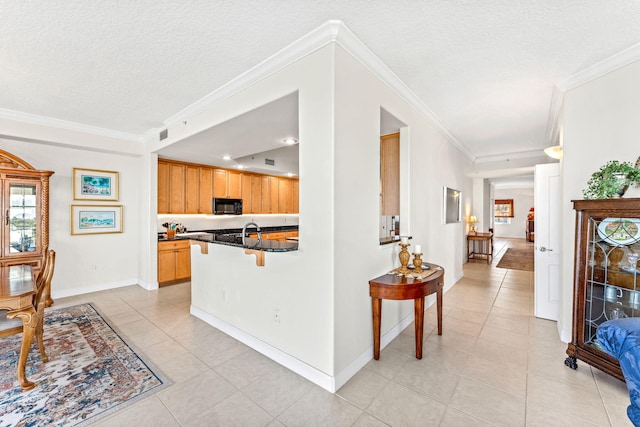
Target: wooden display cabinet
<point>25,211</point>
<point>606,275</point>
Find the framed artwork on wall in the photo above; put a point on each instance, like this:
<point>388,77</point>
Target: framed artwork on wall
<point>451,206</point>
<point>98,185</point>
<point>503,208</point>
<point>96,219</point>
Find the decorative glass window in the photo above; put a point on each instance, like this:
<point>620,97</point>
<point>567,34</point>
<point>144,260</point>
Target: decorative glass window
<point>503,208</point>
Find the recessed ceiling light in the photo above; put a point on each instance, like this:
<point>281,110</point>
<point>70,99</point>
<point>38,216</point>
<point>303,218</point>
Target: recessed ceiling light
<point>289,174</point>
<point>290,141</point>
<point>226,157</point>
<point>240,166</point>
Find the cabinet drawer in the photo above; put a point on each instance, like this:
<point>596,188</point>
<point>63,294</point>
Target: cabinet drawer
<point>174,244</point>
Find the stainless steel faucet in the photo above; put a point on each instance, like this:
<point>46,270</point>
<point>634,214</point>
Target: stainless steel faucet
<point>244,232</point>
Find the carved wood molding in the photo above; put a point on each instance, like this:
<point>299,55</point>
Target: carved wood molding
<point>9,161</point>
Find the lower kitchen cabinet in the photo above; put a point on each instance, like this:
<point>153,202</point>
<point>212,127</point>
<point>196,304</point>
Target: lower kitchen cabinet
<point>174,261</point>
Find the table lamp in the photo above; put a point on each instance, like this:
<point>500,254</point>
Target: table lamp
<point>473,220</point>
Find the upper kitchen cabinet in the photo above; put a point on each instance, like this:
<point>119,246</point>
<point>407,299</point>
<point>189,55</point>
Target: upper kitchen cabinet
<point>247,157</point>
<point>171,187</point>
<point>25,210</point>
<point>285,195</point>
<point>227,183</point>
<point>390,173</point>
<point>205,176</point>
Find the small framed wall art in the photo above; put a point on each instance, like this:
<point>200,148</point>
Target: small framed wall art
<point>451,205</point>
<point>96,219</point>
<point>98,185</point>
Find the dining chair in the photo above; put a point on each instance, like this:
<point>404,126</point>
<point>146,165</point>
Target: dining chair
<point>43,284</point>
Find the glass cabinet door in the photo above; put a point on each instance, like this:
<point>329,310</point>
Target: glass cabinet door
<point>21,217</point>
<point>612,288</point>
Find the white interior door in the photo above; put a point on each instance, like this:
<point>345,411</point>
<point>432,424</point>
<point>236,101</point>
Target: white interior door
<point>547,241</point>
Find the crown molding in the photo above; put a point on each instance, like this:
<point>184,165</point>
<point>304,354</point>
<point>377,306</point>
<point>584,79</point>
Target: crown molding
<point>305,45</point>
<point>599,69</point>
<point>349,42</point>
<point>33,119</point>
<point>333,31</point>
<point>557,99</point>
<point>595,71</point>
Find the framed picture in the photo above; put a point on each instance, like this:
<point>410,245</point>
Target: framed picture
<point>96,219</point>
<point>503,208</point>
<point>89,184</point>
<point>451,206</point>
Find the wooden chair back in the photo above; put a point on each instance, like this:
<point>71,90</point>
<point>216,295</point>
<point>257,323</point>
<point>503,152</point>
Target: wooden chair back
<point>43,285</point>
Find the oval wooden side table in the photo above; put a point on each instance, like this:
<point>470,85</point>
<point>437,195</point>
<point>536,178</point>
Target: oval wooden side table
<point>393,287</point>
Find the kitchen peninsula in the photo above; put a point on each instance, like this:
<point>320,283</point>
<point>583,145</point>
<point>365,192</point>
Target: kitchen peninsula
<point>230,289</point>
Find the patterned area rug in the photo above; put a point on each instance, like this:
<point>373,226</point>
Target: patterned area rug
<point>517,259</point>
<point>91,372</point>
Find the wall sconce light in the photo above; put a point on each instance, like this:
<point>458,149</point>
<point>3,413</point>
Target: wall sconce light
<point>473,220</point>
<point>555,152</point>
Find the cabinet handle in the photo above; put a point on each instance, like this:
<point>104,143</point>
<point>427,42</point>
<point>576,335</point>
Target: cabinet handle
<point>543,249</point>
<point>6,218</point>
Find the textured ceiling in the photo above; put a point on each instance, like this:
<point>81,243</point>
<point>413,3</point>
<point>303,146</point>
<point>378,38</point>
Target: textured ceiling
<point>487,69</point>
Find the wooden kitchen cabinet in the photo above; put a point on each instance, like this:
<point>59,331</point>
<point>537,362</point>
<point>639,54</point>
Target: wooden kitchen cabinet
<point>274,188</point>
<point>176,188</point>
<point>25,211</point>
<point>220,182</point>
<point>265,182</point>
<point>296,196</point>
<point>285,195</point>
<point>390,174</point>
<point>174,261</point>
<point>205,176</point>
<point>227,184</point>
<point>606,275</point>
<point>186,188</point>
<point>171,187</point>
<point>256,193</point>
<point>192,190</point>
<point>164,194</point>
<point>247,201</point>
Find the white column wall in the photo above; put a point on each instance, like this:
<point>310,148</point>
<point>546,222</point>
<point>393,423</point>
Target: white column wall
<point>600,124</point>
<point>433,163</point>
<point>302,292</point>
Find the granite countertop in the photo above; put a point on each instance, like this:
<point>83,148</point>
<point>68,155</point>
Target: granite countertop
<point>227,237</point>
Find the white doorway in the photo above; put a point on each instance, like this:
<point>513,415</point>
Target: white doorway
<point>547,241</point>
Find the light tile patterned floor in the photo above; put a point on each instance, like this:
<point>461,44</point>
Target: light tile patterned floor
<point>495,365</point>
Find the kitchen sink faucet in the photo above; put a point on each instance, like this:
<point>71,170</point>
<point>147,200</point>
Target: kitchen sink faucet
<point>244,232</point>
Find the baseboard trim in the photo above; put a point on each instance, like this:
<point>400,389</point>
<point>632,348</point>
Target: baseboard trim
<point>314,375</point>
<point>63,293</point>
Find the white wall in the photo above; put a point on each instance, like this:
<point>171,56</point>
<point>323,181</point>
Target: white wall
<point>86,263</point>
<point>522,202</point>
<point>304,294</point>
<point>433,162</point>
<point>600,124</point>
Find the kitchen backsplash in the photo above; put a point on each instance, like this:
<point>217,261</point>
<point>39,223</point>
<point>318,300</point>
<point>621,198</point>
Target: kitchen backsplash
<point>212,222</point>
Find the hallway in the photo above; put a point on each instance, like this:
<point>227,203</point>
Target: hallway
<point>495,365</point>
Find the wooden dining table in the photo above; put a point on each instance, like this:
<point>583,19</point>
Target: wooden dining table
<point>17,288</point>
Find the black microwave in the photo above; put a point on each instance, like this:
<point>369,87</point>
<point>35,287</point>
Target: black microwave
<point>227,206</point>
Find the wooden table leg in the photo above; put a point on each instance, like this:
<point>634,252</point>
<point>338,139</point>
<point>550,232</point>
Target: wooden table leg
<point>418,305</point>
<point>376,309</point>
<point>439,308</point>
<point>29,321</point>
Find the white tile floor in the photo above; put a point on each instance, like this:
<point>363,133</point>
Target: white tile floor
<point>495,365</point>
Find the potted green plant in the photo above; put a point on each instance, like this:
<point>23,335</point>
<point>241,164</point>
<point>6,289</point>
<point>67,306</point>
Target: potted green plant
<point>611,180</point>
